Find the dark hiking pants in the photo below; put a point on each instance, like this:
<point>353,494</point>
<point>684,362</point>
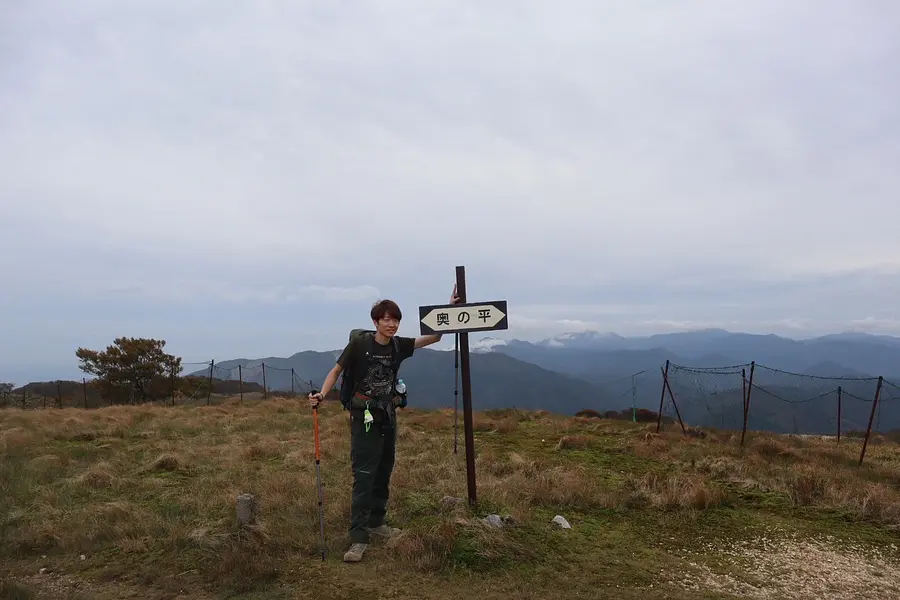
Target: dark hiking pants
<point>372,461</point>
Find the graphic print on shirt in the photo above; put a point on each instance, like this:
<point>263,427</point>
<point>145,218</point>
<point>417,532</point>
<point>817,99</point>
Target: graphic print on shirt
<point>379,379</point>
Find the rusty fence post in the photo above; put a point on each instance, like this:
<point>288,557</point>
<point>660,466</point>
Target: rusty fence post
<point>747,400</point>
<point>871,418</point>
<point>662,396</point>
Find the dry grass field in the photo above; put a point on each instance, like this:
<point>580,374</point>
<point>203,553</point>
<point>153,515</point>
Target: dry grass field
<point>139,502</point>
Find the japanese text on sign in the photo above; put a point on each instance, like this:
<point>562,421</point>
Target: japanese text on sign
<point>469,317</point>
<point>463,317</point>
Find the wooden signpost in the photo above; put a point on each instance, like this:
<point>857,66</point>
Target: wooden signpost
<point>464,318</point>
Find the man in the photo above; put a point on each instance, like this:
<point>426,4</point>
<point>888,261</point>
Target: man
<point>372,444</point>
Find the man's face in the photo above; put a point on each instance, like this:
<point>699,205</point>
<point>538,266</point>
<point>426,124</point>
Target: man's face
<point>387,325</point>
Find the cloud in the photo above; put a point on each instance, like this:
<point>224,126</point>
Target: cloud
<point>649,165</point>
<point>223,293</point>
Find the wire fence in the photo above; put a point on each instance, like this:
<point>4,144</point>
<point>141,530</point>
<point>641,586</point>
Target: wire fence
<point>628,391</point>
<point>745,397</point>
<point>756,397</point>
<point>205,383</point>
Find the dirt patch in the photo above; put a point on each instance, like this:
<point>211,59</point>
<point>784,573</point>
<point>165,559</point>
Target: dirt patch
<point>61,586</point>
<point>789,567</point>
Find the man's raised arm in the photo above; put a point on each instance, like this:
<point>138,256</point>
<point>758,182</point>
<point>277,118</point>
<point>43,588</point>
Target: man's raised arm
<point>427,340</point>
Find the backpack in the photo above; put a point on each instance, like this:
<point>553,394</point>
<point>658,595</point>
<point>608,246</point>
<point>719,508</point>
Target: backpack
<point>349,384</point>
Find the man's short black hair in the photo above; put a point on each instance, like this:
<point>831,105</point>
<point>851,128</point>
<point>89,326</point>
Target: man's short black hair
<point>383,308</point>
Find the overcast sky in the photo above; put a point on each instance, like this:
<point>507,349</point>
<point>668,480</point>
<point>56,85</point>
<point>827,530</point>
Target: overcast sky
<point>247,178</point>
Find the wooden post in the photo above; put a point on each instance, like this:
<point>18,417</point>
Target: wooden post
<point>747,400</point>
<point>241,381</point>
<point>58,394</point>
<point>212,365</point>
<point>293,394</point>
<point>840,393</point>
<point>265,387</point>
<point>466,391</point>
<point>84,389</point>
<point>456,317</point>
<point>744,395</point>
<point>871,418</point>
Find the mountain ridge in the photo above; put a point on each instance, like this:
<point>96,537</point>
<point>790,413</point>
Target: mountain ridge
<point>864,352</point>
<point>571,375</point>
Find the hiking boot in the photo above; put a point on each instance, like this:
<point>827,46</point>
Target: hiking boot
<point>384,531</point>
<point>355,553</point>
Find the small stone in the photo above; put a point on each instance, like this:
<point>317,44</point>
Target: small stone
<point>494,521</point>
<point>448,501</point>
<point>561,522</point>
<point>43,570</point>
<point>83,557</point>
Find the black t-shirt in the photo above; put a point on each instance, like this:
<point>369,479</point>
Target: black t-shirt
<point>370,363</point>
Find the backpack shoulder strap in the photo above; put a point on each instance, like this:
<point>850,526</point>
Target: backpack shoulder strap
<point>395,355</point>
<point>367,344</point>
<point>350,377</point>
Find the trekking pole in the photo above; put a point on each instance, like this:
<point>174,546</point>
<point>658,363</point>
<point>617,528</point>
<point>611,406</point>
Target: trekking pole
<point>319,481</point>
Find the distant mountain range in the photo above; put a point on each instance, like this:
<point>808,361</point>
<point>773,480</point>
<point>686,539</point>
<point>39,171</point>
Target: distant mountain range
<point>874,354</point>
<point>498,380</point>
<point>575,371</point>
